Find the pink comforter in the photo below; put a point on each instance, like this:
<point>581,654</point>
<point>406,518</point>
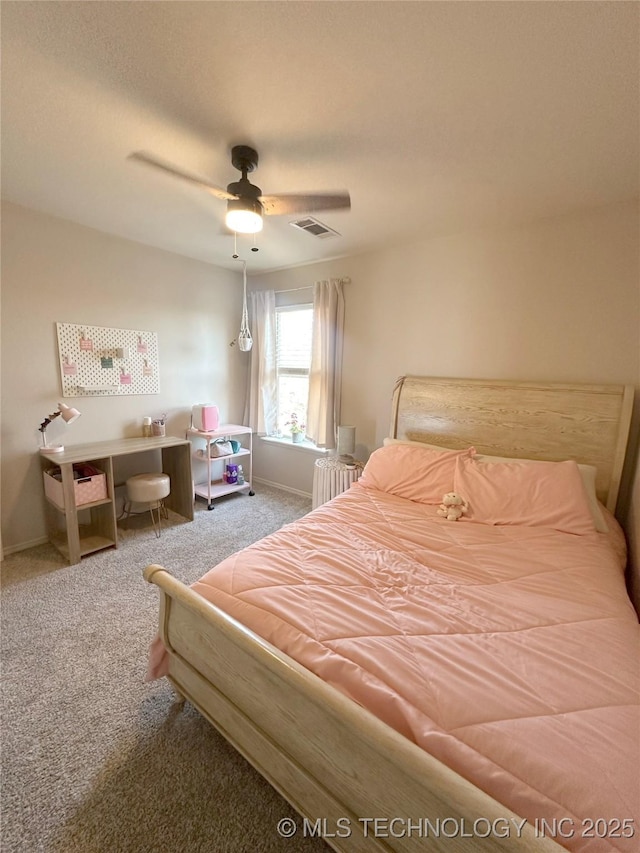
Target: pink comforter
<point>509,653</point>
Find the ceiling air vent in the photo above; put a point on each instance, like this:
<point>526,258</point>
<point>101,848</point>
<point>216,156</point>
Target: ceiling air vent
<point>314,227</point>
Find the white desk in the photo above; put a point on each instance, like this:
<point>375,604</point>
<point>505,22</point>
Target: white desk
<point>74,540</point>
<point>331,477</point>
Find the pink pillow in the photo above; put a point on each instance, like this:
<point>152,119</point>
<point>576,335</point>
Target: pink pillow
<point>547,494</point>
<point>416,473</point>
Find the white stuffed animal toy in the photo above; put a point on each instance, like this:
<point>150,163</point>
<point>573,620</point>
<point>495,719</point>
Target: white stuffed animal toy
<point>452,506</point>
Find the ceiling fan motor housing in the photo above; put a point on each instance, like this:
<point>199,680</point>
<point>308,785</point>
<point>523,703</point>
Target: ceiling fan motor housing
<point>244,158</point>
<point>244,189</point>
<point>244,213</point>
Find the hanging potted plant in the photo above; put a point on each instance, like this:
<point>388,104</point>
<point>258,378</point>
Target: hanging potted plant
<point>295,428</point>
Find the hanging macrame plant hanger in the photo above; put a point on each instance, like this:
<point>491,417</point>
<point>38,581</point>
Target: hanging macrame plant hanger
<point>245,341</point>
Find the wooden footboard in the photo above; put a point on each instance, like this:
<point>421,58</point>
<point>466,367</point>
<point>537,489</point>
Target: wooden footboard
<point>338,765</point>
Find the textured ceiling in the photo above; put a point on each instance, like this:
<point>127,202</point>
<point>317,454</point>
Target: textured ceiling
<point>437,116</point>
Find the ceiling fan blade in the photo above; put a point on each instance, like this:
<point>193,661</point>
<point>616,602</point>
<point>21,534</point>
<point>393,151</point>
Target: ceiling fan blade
<point>203,183</point>
<point>277,205</point>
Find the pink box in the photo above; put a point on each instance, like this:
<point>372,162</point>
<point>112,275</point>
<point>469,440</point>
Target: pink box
<point>87,490</point>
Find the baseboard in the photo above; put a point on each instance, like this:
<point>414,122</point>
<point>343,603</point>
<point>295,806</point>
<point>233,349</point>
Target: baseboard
<point>282,488</point>
<point>22,546</point>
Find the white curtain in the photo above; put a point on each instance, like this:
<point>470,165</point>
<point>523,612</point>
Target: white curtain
<point>325,378</point>
<point>261,405</point>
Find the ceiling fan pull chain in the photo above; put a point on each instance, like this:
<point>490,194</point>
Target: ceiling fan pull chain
<point>235,246</point>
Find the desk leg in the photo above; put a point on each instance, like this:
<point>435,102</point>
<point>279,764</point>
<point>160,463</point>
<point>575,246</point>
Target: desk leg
<point>176,462</point>
<point>71,513</point>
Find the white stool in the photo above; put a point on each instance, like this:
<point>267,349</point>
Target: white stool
<point>151,489</point>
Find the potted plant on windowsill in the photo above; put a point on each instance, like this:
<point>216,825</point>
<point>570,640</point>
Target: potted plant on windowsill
<point>295,428</point>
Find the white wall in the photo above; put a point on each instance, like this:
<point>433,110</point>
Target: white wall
<point>554,300</point>
<point>557,299</point>
<point>54,270</point>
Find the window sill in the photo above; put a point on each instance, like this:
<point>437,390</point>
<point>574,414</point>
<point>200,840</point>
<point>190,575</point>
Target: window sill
<point>305,446</point>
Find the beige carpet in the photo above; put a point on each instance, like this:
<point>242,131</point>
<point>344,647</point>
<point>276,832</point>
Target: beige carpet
<point>94,759</point>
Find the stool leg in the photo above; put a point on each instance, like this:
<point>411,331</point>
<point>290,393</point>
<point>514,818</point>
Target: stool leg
<point>157,529</point>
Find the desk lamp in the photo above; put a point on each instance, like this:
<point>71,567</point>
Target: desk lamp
<point>69,415</point>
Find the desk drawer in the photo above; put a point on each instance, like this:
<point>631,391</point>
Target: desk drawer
<point>86,489</point>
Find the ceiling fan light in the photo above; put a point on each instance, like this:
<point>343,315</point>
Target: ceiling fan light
<point>244,216</point>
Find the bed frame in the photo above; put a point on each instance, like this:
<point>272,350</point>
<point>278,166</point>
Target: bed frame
<point>331,759</point>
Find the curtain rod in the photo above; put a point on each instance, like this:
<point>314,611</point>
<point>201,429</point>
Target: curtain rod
<point>346,280</point>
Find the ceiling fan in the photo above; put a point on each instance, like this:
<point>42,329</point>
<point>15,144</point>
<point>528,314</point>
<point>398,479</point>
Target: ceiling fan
<point>245,203</point>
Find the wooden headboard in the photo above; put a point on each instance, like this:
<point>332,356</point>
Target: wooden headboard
<point>532,420</point>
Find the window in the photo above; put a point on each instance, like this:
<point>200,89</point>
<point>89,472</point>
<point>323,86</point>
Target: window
<point>294,325</point>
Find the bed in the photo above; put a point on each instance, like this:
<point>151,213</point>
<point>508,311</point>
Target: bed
<point>367,763</point>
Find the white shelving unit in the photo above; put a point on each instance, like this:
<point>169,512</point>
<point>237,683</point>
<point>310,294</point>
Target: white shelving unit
<point>215,486</point>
